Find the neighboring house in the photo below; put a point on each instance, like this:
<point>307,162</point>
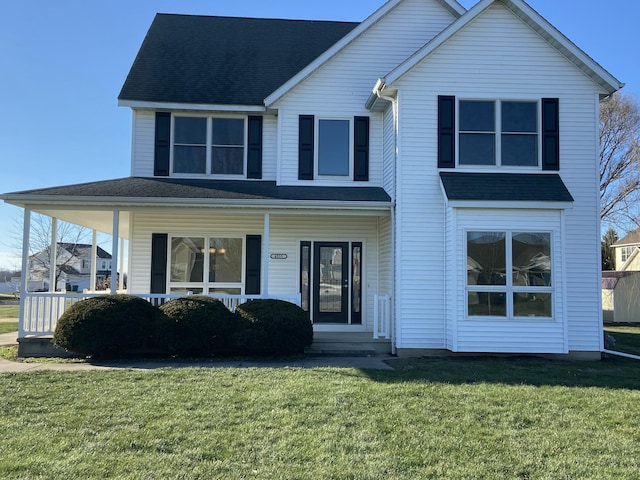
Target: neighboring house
<point>430,166</point>
<point>620,299</point>
<point>625,252</point>
<point>73,267</point>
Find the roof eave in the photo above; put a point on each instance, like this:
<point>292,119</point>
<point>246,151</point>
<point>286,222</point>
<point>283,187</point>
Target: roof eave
<point>115,203</point>
<point>139,104</point>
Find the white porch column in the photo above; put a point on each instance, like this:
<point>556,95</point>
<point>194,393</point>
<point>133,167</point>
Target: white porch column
<point>53,255</point>
<point>24,275</point>
<point>265,256</point>
<point>121,266</point>
<point>93,266</point>
<point>114,252</point>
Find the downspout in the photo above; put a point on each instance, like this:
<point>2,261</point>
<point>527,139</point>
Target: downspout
<point>380,85</point>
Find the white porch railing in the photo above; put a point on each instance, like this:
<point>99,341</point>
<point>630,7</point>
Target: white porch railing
<point>41,311</point>
<point>381,316</point>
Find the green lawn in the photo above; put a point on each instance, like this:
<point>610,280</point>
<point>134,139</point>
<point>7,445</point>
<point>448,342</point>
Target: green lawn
<point>9,311</point>
<point>627,338</point>
<point>434,418</point>
<point>8,327</point>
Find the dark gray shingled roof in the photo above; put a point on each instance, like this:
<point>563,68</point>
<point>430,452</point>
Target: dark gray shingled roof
<point>224,60</point>
<point>175,188</point>
<point>505,187</point>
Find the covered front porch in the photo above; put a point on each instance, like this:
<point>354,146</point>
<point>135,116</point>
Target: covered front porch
<point>327,259</point>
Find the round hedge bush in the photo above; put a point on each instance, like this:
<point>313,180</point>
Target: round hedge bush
<point>199,326</point>
<point>273,327</point>
<point>109,326</point>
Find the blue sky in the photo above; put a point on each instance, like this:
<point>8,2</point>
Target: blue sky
<point>62,64</point>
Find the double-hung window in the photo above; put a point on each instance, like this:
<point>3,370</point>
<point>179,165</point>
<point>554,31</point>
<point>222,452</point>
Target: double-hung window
<point>206,265</point>
<point>209,145</point>
<point>509,274</point>
<point>499,133</point>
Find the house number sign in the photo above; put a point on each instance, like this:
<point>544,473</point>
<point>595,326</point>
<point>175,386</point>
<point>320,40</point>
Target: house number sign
<point>278,256</point>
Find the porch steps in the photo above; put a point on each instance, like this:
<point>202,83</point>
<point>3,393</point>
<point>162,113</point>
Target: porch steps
<point>330,344</point>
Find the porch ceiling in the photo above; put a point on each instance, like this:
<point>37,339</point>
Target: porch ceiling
<point>99,220</point>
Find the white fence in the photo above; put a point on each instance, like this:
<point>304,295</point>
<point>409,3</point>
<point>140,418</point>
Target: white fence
<point>40,311</point>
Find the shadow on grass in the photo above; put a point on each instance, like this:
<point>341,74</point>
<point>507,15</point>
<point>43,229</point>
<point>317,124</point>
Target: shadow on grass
<point>613,373</point>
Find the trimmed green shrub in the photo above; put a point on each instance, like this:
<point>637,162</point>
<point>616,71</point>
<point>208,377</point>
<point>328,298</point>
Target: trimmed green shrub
<point>109,326</point>
<point>199,326</point>
<point>273,327</point>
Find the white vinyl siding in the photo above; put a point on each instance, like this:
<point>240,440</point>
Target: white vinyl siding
<point>341,86</point>
<point>144,137</point>
<point>507,60</point>
<point>388,152</point>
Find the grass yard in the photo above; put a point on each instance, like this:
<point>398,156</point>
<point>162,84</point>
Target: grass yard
<point>627,338</point>
<point>9,311</point>
<point>8,327</point>
<point>432,418</point>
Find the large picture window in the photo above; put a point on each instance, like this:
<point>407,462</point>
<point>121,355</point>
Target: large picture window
<point>209,145</point>
<point>509,274</point>
<point>498,132</point>
<point>206,265</point>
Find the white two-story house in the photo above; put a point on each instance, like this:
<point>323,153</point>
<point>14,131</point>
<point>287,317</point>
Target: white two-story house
<point>428,175</point>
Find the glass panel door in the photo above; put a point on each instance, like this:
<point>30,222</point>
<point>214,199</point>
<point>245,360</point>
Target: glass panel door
<point>331,285</point>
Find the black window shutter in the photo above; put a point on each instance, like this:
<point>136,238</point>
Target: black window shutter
<point>361,149</point>
<point>253,263</point>
<point>446,131</point>
<point>550,134</point>
<point>162,144</point>
<point>305,147</point>
<point>159,263</point>
<point>254,152</point>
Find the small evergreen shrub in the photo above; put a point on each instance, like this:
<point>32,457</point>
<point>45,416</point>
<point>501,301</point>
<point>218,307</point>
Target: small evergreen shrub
<point>273,327</point>
<point>109,326</point>
<point>199,326</point>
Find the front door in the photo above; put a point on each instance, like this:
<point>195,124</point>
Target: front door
<point>331,282</point>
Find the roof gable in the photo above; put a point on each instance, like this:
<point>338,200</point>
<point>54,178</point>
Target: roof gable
<point>608,83</point>
<point>193,59</point>
<point>452,6</point>
<point>631,238</point>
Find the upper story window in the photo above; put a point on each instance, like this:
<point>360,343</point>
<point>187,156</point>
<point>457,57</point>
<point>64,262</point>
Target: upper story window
<point>500,133</point>
<point>334,148</point>
<point>208,145</point>
<point>625,253</point>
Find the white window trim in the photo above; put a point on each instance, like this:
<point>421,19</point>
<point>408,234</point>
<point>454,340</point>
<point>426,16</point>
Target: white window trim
<point>316,150</point>
<point>209,146</point>
<point>497,103</point>
<point>206,285</point>
<point>509,288</point>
